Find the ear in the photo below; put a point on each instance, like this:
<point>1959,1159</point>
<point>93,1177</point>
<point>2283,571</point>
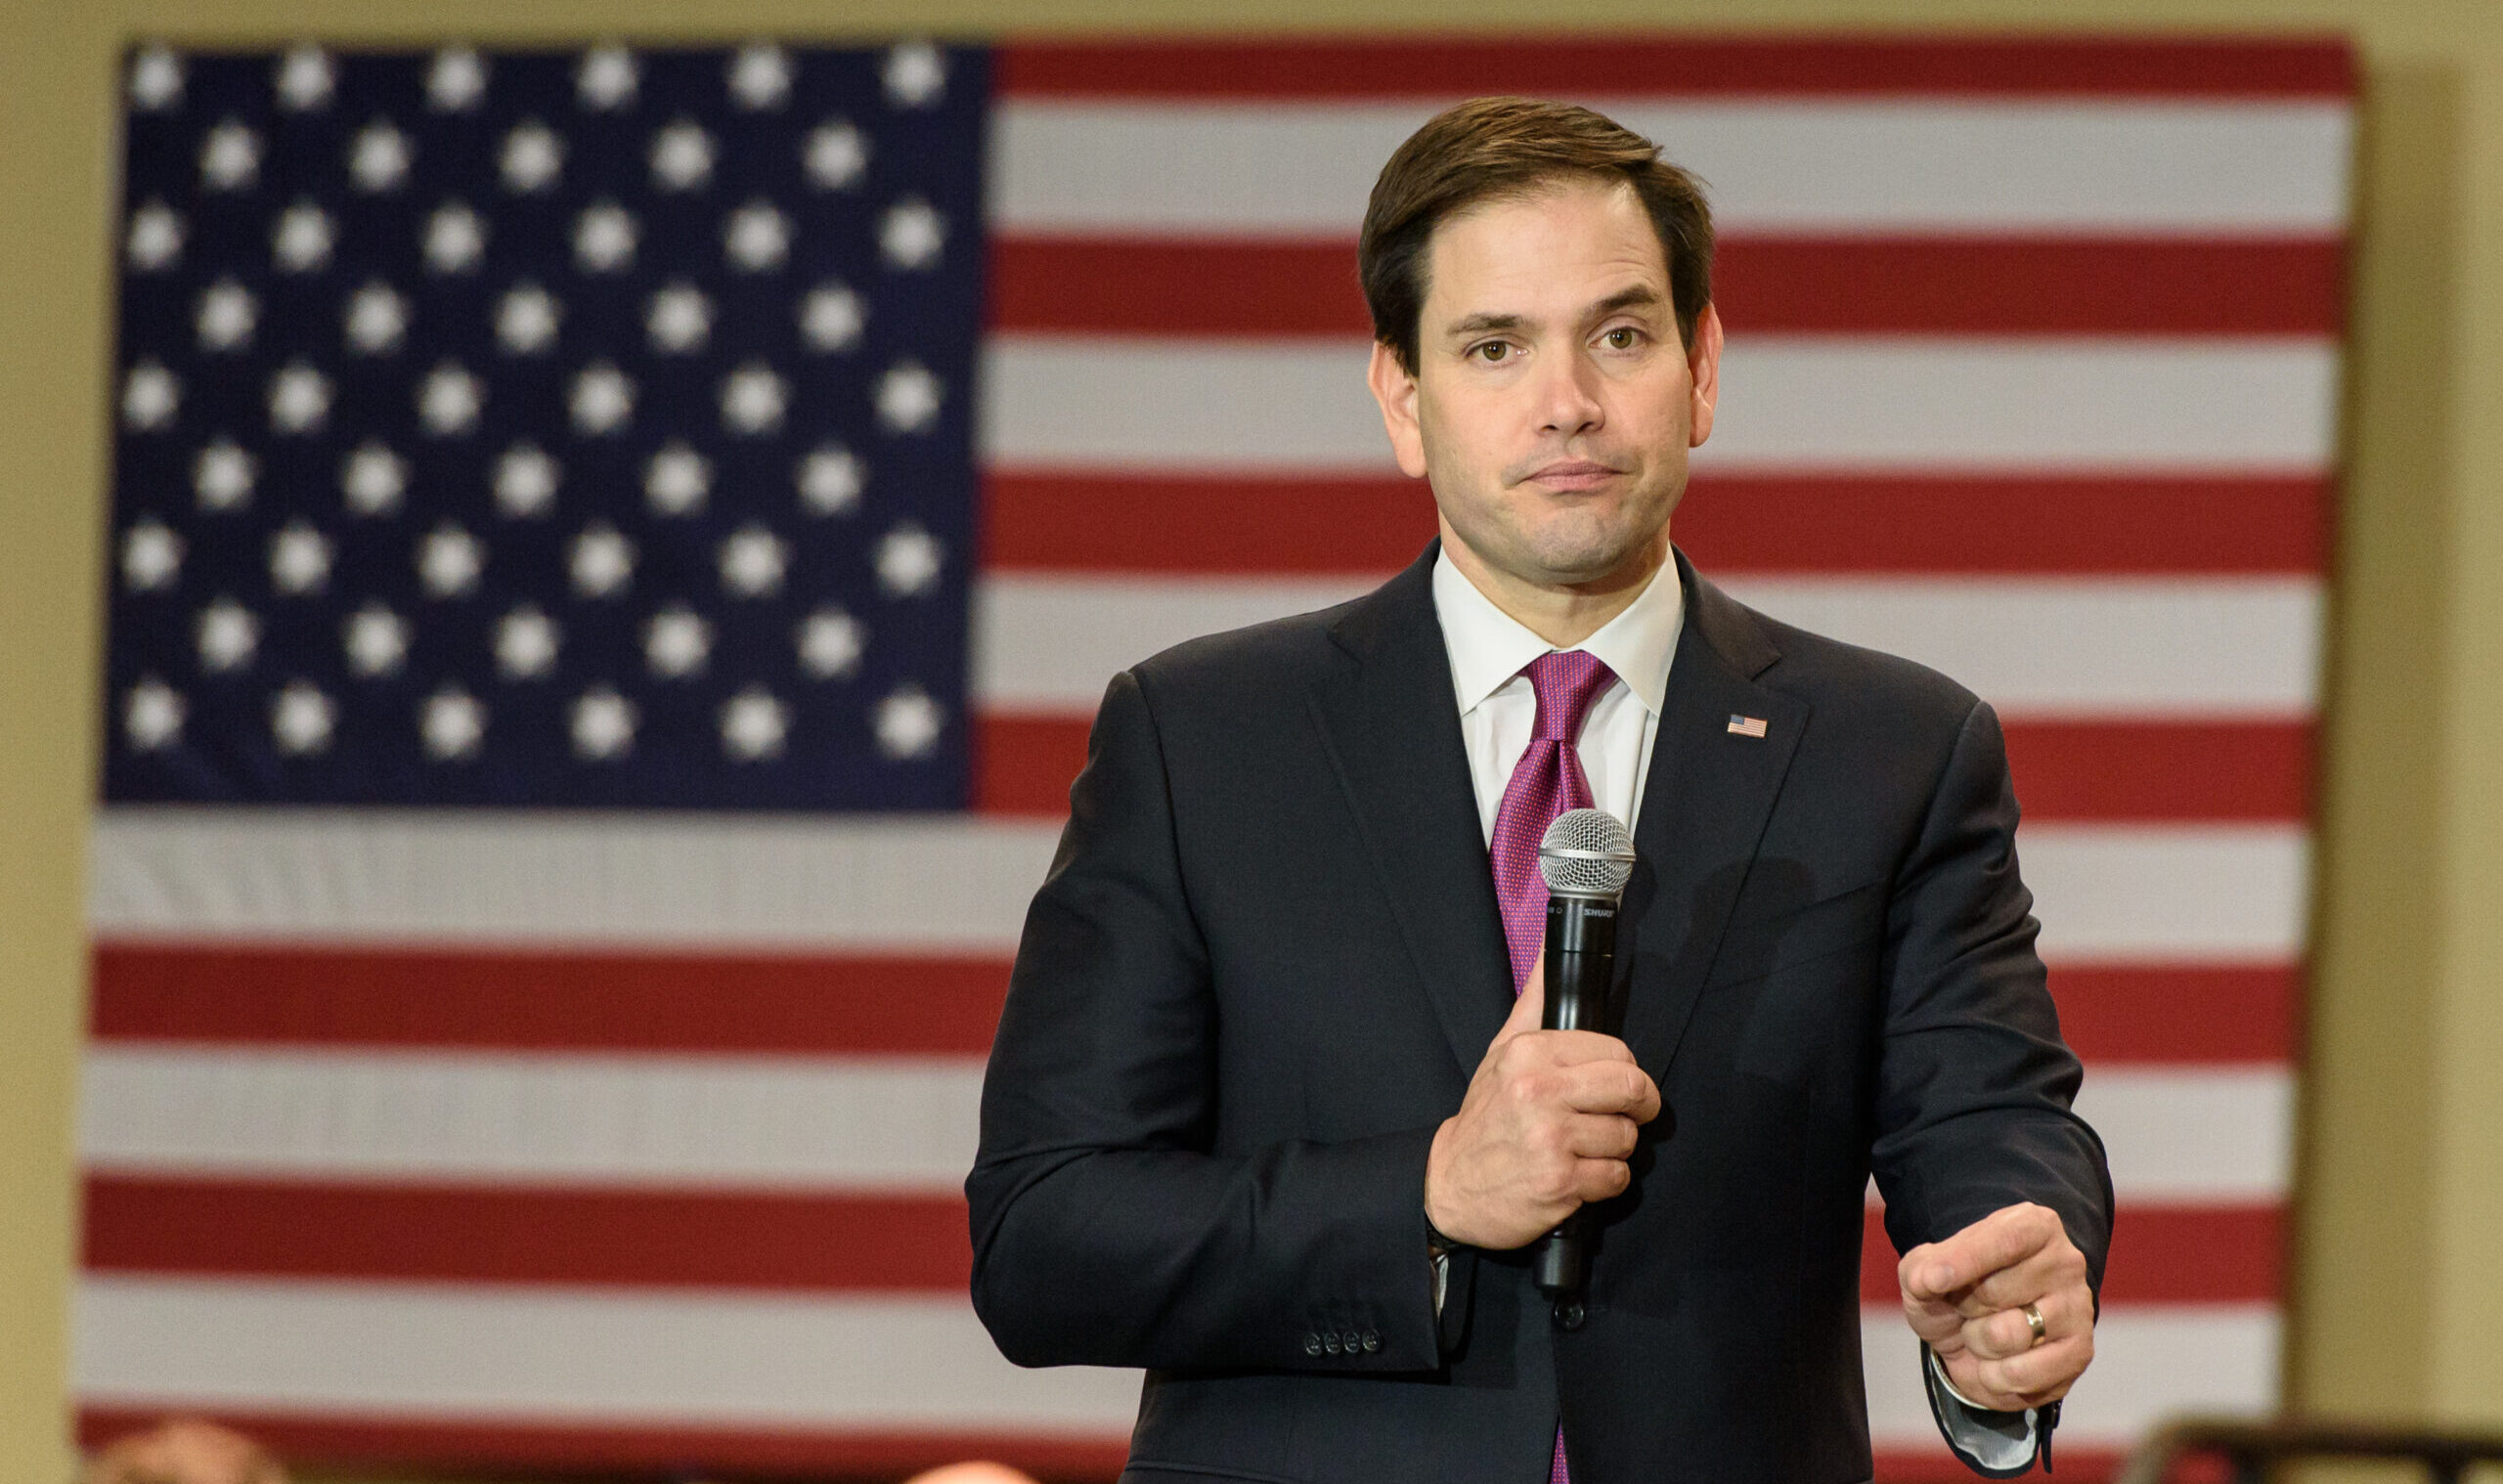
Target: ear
<point>1704,360</point>
<point>1396,391</point>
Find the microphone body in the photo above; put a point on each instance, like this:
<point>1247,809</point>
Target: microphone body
<point>1586,859</point>
<point>1581,962</point>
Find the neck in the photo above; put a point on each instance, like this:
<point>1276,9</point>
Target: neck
<point>1563,613</point>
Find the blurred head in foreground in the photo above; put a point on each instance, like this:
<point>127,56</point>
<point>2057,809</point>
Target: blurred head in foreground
<point>183,1451</point>
<point>972,1473</point>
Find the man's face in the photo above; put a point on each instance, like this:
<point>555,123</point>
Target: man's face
<point>1553,405</point>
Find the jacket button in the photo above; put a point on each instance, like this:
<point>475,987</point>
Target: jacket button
<point>1373,1341</point>
<point>1330,1342</point>
<point>1312,1344</point>
<point>1354,1342</point>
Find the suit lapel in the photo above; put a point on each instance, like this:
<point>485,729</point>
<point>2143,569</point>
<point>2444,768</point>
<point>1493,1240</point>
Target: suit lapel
<point>1704,806</point>
<point>1391,728</point>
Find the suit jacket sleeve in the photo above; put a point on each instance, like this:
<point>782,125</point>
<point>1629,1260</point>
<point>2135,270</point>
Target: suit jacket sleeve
<point>1974,1082</point>
<point>1108,1227</point>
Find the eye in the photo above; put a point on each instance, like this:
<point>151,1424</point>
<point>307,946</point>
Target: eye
<point>1623,337</point>
<point>1492,352</point>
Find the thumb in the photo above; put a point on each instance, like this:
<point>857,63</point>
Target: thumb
<point>1529,1005</point>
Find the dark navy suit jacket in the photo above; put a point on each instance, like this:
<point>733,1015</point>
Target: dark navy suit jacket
<point>1268,958</point>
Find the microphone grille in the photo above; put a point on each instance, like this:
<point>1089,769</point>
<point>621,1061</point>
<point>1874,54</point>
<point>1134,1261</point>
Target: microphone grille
<point>1586,853</point>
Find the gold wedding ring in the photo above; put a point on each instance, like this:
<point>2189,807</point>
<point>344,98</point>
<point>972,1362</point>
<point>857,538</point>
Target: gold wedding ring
<point>2033,1313</point>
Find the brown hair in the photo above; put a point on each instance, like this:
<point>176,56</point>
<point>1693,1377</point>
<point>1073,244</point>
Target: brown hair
<point>1490,148</point>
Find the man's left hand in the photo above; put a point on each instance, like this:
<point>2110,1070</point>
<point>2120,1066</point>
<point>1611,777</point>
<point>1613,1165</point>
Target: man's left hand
<point>1966,1297</point>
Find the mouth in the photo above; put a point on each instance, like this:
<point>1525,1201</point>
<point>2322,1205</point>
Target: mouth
<point>1571,474</point>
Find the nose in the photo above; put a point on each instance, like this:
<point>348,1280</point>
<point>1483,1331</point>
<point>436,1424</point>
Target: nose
<point>1569,399</point>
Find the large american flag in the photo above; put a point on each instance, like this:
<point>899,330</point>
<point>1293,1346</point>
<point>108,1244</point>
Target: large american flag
<point>615,549</point>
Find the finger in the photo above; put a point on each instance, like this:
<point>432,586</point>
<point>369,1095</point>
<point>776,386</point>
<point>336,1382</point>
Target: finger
<point>1600,1136</point>
<point>1601,1179</point>
<point>2001,1240</point>
<point>1575,1048</point>
<point>2057,1266</point>
<point>1611,1088</point>
<point>2005,1333</point>
<point>1527,1007</point>
<point>2040,1375</point>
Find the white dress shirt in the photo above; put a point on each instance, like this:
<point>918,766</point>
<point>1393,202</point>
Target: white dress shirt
<point>1489,649</point>
<point>1499,711</point>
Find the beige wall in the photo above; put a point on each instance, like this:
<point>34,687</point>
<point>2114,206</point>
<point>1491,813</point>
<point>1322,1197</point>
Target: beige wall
<point>2398,1304</point>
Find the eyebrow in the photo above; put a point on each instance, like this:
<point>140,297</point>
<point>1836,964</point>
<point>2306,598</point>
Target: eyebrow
<point>1640,296</point>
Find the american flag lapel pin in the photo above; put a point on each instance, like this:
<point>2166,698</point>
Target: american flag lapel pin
<point>1747,726</point>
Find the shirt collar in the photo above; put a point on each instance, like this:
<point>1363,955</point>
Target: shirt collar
<point>1489,646</point>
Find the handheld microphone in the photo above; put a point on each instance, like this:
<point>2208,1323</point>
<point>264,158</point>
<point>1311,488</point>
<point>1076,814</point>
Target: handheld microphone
<point>1586,858</point>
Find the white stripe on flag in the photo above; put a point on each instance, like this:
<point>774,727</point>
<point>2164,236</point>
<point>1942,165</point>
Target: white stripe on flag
<point>885,1123</point>
<point>1303,169</point>
<point>1092,403</point>
<point>862,885</point>
<point>2151,1363</point>
<point>453,1352</point>
<point>554,1354</point>
<point>2167,893</point>
<point>2128,647</point>
<point>2151,894</point>
<point>2185,1135</point>
<point>2209,1136</point>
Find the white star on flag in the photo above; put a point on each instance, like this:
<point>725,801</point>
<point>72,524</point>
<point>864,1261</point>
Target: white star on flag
<point>532,157</point>
<point>449,560</point>
<point>526,480</point>
<point>226,316</point>
<point>836,154</point>
<point>601,398</point>
<point>760,76</point>
<point>526,319</point>
<point>456,80</point>
<point>606,79</point>
<point>222,476</point>
<point>753,399</point>
<point>373,478</point>
<point>377,318</point>
<point>907,560</point>
<point>915,74</point>
<point>306,77</point>
<point>911,233</point>
<point>676,480</point>
<point>456,239</point>
<point>230,156</point>
<point>152,715</point>
<point>680,318</point>
<point>376,640</point>
<point>602,561</point>
<point>831,480</point>
<point>150,397</point>
<point>226,633</point>
<point>379,158</point>
<point>301,717</point>
<point>758,236</point>
<point>526,642</point>
<point>752,561</point>
<point>677,643</point>
<point>754,723</point>
<point>156,80</point>
<point>604,725</point>
<point>152,556</point>
<point>155,236</point>
<point>604,238</point>
<point>830,641</point>
<point>682,156</point>
<point>907,397</point>
<point>300,558</point>
<point>907,723</point>
<point>830,317</point>
<point>299,398</point>
<point>449,399</point>
<point>301,240</point>
<point>453,724</point>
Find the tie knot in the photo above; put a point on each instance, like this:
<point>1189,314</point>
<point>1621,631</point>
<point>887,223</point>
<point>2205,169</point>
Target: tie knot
<point>1566,682</point>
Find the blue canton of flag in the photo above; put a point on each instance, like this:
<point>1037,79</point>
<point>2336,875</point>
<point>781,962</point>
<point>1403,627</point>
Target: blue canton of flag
<point>567,429</point>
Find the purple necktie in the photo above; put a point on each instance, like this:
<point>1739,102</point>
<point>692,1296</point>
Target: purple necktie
<point>1546,782</point>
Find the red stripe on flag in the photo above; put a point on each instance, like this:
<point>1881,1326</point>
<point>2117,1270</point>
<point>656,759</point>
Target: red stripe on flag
<point>2216,1013</point>
<point>821,1243</point>
<point>2160,1256</point>
<point>1389,67</point>
<point>285,996</point>
<point>1854,286</point>
<point>607,1443</point>
<point>493,1234</point>
<point>1806,524</point>
<point>553,1001</point>
<point>2144,770</point>
<point>2083,771</point>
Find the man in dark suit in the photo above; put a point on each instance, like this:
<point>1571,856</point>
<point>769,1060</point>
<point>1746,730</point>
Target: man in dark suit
<point>1269,1112</point>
